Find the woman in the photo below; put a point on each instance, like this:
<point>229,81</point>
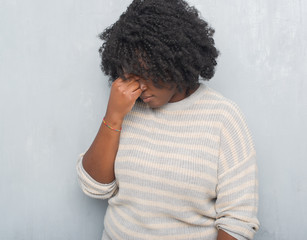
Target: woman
<point>174,157</point>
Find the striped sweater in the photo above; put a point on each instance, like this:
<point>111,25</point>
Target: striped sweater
<point>183,171</point>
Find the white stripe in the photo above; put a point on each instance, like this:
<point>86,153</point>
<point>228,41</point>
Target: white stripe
<point>158,179</point>
<point>108,226</point>
<point>186,158</point>
<point>251,155</point>
<point>152,237</point>
<point>245,197</point>
<point>177,145</point>
<point>163,225</point>
<point>209,215</point>
<point>178,123</point>
<point>238,177</point>
<point>164,193</point>
<point>165,167</point>
<point>237,189</point>
<point>187,135</point>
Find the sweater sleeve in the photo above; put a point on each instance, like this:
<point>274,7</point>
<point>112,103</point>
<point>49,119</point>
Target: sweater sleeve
<point>90,186</point>
<point>237,189</point>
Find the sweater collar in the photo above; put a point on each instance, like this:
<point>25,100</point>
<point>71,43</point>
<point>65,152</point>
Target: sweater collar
<point>184,103</point>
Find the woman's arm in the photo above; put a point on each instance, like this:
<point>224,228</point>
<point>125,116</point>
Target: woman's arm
<point>237,189</point>
<point>98,161</point>
<point>222,235</point>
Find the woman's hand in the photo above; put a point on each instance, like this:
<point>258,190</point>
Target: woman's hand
<point>123,96</point>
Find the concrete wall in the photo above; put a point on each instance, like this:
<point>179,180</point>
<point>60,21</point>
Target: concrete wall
<point>53,97</point>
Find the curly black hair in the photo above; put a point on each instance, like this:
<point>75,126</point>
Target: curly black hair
<point>161,41</point>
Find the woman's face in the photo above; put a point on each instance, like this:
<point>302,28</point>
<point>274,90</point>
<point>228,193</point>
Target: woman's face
<point>157,97</point>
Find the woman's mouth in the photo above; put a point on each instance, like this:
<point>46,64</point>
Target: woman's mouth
<point>147,99</point>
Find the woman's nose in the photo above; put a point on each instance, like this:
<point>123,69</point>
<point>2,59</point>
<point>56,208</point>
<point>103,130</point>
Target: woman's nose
<point>143,85</point>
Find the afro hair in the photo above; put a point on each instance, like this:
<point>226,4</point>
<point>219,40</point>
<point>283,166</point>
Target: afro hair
<point>159,40</point>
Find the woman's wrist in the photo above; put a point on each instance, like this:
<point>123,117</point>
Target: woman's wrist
<point>113,121</point>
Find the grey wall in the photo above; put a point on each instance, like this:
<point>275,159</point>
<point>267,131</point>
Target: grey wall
<point>53,97</point>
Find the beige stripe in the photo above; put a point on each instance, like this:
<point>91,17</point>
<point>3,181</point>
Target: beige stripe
<point>187,158</point>
<point>244,173</point>
<point>146,214</point>
<point>235,202</point>
<point>205,112</point>
<point>170,168</point>
<point>155,204</point>
<point>252,154</point>
<point>204,102</point>
<point>130,219</point>
<point>232,144</point>
<point>187,135</point>
<point>108,226</point>
<point>141,213</point>
<point>202,148</point>
<point>224,164</point>
<point>181,223</point>
<point>200,201</point>
<point>170,207</point>
<point>222,112</point>
<point>166,181</point>
<point>245,218</point>
<point>235,190</point>
<point>235,109</point>
<point>228,212</point>
<point>147,236</point>
<point>152,226</point>
<point>171,123</point>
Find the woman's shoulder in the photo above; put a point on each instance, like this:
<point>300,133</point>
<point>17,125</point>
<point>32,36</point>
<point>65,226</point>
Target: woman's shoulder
<point>216,100</point>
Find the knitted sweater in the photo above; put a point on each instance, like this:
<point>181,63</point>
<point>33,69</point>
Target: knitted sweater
<point>183,171</point>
